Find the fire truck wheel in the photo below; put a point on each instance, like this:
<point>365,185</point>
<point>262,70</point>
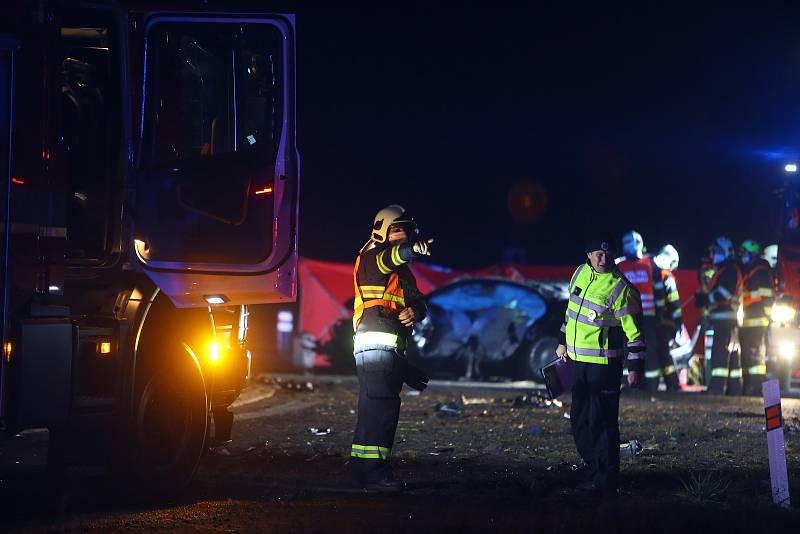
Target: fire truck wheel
<point>171,422</point>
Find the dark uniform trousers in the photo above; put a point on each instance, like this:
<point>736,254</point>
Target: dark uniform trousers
<point>380,380</point>
<point>594,417</point>
<point>657,358</point>
<point>726,367</point>
<point>753,340</point>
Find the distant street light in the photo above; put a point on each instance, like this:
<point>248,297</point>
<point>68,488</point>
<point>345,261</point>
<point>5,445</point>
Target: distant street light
<point>790,167</point>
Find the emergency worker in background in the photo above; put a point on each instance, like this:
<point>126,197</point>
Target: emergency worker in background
<point>640,271</point>
<point>668,310</point>
<point>758,295</point>
<point>386,306</point>
<point>722,299</point>
<point>602,319</point>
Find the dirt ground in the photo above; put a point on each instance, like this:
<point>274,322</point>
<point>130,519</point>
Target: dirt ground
<point>493,465</point>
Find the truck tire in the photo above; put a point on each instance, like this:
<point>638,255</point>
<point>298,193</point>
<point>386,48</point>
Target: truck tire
<point>171,420</point>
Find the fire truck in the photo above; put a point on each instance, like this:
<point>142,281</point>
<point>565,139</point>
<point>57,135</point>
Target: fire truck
<point>149,184</point>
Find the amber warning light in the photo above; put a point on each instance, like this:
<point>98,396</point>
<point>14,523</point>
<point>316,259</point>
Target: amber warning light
<point>266,190</point>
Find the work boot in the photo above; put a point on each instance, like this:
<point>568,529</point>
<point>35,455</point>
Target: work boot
<point>387,485</point>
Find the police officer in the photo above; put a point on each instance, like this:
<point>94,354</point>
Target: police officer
<point>602,320</point>
<point>387,304</point>
<point>757,297</point>
<point>722,299</point>
<point>641,271</point>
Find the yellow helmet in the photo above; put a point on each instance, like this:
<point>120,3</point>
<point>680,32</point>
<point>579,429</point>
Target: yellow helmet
<point>394,214</point>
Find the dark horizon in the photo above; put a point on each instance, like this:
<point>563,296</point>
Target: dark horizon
<point>660,120</point>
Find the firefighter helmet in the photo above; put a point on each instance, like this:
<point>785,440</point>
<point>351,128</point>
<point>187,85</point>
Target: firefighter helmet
<point>394,214</point>
<point>751,247</point>
<point>771,255</point>
<point>633,244</point>
<point>722,244</point>
<point>667,258</point>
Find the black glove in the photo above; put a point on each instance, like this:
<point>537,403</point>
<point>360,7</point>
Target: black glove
<point>415,377</point>
<point>700,300</point>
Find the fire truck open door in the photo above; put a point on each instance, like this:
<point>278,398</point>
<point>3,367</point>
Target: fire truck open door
<point>218,171</point>
<point>8,47</point>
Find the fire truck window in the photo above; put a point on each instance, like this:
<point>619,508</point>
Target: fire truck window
<point>216,90</point>
<point>89,132</point>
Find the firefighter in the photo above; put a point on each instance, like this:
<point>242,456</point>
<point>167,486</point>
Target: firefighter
<point>668,308</point>
<point>722,299</point>
<point>640,270</point>
<point>386,306</point>
<point>757,297</point>
<point>602,320</point>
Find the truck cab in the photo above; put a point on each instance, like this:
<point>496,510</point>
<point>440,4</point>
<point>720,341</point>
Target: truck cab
<point>149,182</point>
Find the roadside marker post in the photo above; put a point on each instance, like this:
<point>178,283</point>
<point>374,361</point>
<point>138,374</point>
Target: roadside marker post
<point>775,441</point>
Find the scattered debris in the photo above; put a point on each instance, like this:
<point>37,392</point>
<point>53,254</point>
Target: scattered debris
<point>448,409</point>
<point>536,400</point>
<point>290,385</point>
<point>466,401</point>
<point>319,431</point>
<point>631,448</point>
<point>566,415</point>
<point>412,393</point>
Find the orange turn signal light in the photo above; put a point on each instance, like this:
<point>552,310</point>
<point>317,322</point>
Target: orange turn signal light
<point>7,349</point>
<point>104,347</point>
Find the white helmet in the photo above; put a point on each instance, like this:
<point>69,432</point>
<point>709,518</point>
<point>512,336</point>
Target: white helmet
<point>724,245</point>
<point>633,244</point>
<point>394,214</point>
<point>771,255</point>
<point>667,258</point>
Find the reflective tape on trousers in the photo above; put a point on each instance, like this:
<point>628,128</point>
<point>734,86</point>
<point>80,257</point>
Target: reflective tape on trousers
<point>371,339</point>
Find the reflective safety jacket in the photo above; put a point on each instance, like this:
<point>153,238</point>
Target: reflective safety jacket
<point>668,300</point>
<point>640,273</point>
<point>603,319</point>
<point>758,294</point>
<point>725,292</point>
<point>384,286</point>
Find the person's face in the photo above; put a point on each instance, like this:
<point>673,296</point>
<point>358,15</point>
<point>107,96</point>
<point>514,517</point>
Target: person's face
<point>397,235</point>
<point>601,260</point>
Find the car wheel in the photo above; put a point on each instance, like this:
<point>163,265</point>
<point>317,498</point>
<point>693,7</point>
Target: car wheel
<point>542,351</point>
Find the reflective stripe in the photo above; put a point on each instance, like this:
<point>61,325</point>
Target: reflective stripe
<point>588,304</point>
<point>660,303</point>
<point>760,369</point>
<point>652,374</point>
<point>720,371</point>
<point>575,276</point>
<point>563,328</point>
<point>396,255</point>
<point>628,310</point>
<point>364,339</point>
<point>669,370</point>
<point>635,344</point>
<point>618,290</point>
<point>605,353</point>
<point>572,314</point>
<point>722,315</point>
<point>373,288</point>
<point>724,292</point>
<point>756,321</point>
<point>370,452</point>
<point>395,298</point>
<point>636,355</point>
<point>735,373</point>
<point>382,266</point>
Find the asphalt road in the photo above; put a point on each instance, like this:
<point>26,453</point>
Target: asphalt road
<point>502,462</point>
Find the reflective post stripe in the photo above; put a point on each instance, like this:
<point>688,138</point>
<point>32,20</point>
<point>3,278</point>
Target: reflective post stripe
<point>375,452</point>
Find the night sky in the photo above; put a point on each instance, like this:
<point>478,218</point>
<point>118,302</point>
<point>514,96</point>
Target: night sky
<point>674,122</point>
